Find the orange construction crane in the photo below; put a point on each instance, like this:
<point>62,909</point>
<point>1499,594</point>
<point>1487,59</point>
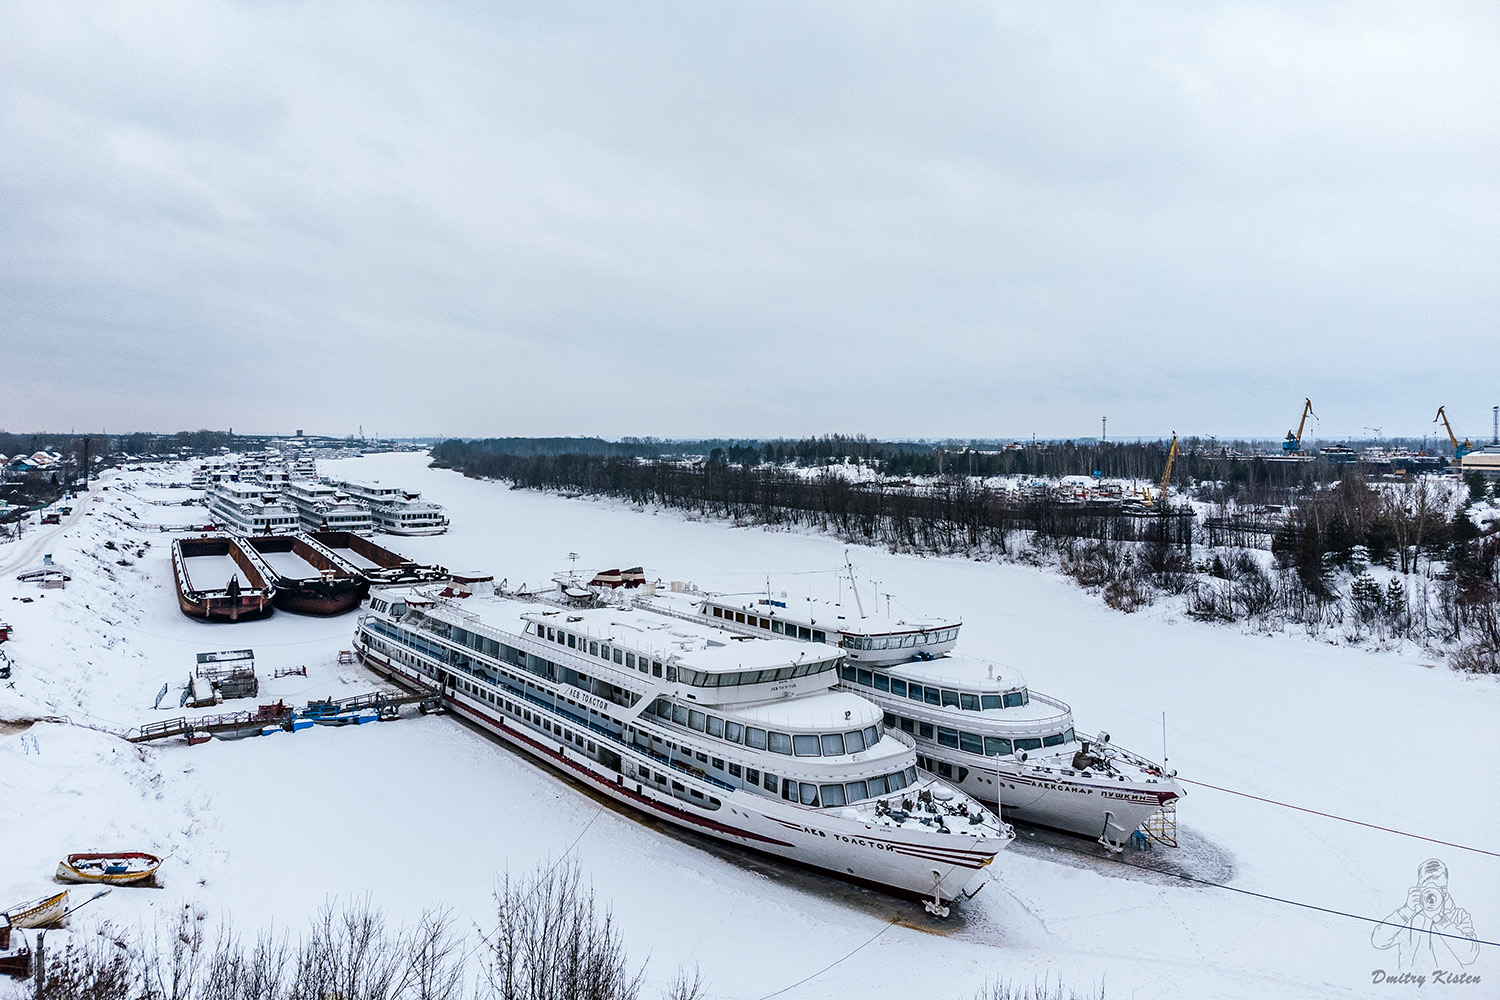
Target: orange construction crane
<point>1293,443</point>
<point>1166,476</point>
<point>1459,450</point>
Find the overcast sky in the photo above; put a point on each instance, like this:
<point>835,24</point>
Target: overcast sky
<point>753,219</point>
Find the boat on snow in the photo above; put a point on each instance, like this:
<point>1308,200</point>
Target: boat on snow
<point>42,912</point>
<point>308,578</point>
<point>114,868</point>
<point>203,591</point>
<point>377,564</point>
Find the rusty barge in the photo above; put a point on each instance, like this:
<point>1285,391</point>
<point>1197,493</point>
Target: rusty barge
<point>376,563</point>
<point>245,594</point>
<point>307,577</point>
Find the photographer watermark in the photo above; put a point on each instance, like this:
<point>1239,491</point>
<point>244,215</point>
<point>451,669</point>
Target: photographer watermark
<point>1433,936</point>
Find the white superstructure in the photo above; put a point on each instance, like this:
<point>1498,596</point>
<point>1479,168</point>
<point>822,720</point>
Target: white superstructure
<point>974,723</point>
<point>865,636</point>
<point>744,739</point>
<point>322,506</point>
<point>250,509</point>
<point>397,511</point>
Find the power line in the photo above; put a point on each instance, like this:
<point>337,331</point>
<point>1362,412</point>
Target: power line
<point>1341,819</point>
<point>1275,899</point>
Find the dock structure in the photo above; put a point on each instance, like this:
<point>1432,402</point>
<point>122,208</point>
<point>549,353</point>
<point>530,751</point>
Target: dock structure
<point>387,703</point>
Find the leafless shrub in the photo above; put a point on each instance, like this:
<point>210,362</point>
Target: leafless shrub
<point>550,943</point>
<point>1476,657</point>
<point>1001,989</point>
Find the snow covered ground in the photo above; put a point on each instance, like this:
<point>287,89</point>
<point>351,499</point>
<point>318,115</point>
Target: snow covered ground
<point>425,812</point>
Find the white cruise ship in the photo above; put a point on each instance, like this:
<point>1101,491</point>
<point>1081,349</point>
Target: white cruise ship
<point>974,723</point>
<point>322,506</point>
<point>249,509</point>
<point>397,511</point>
<point>743,739</point>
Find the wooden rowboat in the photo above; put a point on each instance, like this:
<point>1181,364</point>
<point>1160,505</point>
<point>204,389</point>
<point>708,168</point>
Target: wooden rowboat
<point>115,868</point>
<point>42,912</point>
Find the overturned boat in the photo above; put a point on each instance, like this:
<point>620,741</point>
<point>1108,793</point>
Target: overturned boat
<point>217,582</point>
<point>307,577</point>
<point>376,563</point>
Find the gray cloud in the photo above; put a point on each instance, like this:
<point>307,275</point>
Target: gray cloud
<point>752,219</point>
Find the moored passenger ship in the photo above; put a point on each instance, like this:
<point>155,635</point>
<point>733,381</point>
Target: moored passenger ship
<point>743,739</point>
<point>248,509</point>
<point>324,507</point>
<point>975,724</point>
<point>396,511</point>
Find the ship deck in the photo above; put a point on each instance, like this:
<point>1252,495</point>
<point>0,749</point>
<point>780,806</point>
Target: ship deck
<point>290,566</point>
<point>212,572</point>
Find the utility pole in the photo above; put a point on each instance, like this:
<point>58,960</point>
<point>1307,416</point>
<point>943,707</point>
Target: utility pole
<point>1495,433</point>
<point>1103,428</point>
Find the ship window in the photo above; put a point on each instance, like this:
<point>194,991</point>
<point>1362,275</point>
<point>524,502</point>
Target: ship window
<point>765,623</point>
<point>898,688</point>
<point>866,678</point>
<point>715,726</point>
<point>718,612</point>
<point>947,737</point>
<point>996,747</point>
<point>897,780</point>
<point>1068,736</point>
<point>806,746</point>
<point>914,692</point>
<point>833,795</point>
<point>911,775</point>
<point>833,746</point>
<point>872,736</point>
<point>677,786</point>
<point>604,651</point>
<point>671,673</point>
<point>1028,744</point>
<point>664,708</point>
<point>1013,700</point>
<point>630,660</point>
<point>697,720</point>
<point>931,696</point>
<point>739,616</point>
<point>854,742</point>
<point>809,793</point>
<point>735,770</point>
<point>755,738</point>
<point>856,791</point>
<point>752,776</point>
<point>776,627</point>
<point>656,668</point>
<point>572,641</point>
<point>907,725</point>
<point>804,633</point>
<point>644,772</point>
<point>781,743</point>
<point>849,673</point>
<point>593,649</point>
<point>702,757</point>
<point>733,732</point>
<point>551,636</point>
<point>818,636</point>
<point>680,714</point>
<point>944,769</point>
<point>950,698</point>
<point>619,657</point>
<point>1053,740</point>
<point>789,790</point>
<point>878,786</point>
<point>969,702</point>
<point>988,701</point>
<point>882,682</point>
<point>969,743</point>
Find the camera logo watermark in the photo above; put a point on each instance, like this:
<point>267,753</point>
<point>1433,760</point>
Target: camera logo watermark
<point>1433,937</point>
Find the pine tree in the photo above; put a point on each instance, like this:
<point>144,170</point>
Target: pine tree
<point>1395,604</point>
<point>1364,594</point>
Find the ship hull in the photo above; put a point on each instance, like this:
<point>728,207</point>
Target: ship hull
<point>254,600</point>
<point>338,589</point>
<point>909,865</point>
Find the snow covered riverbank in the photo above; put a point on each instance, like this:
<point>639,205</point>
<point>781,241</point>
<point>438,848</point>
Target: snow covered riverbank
<point>426,812</point>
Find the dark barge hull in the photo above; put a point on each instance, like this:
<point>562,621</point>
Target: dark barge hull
<point>252,601</point>
<point>339,589</point>
<point>393,568</point>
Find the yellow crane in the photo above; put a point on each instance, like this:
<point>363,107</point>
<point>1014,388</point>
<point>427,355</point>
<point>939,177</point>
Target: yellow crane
<point>1166,476</point>
<point>1459,450</point>
<point>1293,443</point>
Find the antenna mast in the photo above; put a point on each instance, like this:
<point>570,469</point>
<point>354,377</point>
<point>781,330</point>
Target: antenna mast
<point>854,586</point>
